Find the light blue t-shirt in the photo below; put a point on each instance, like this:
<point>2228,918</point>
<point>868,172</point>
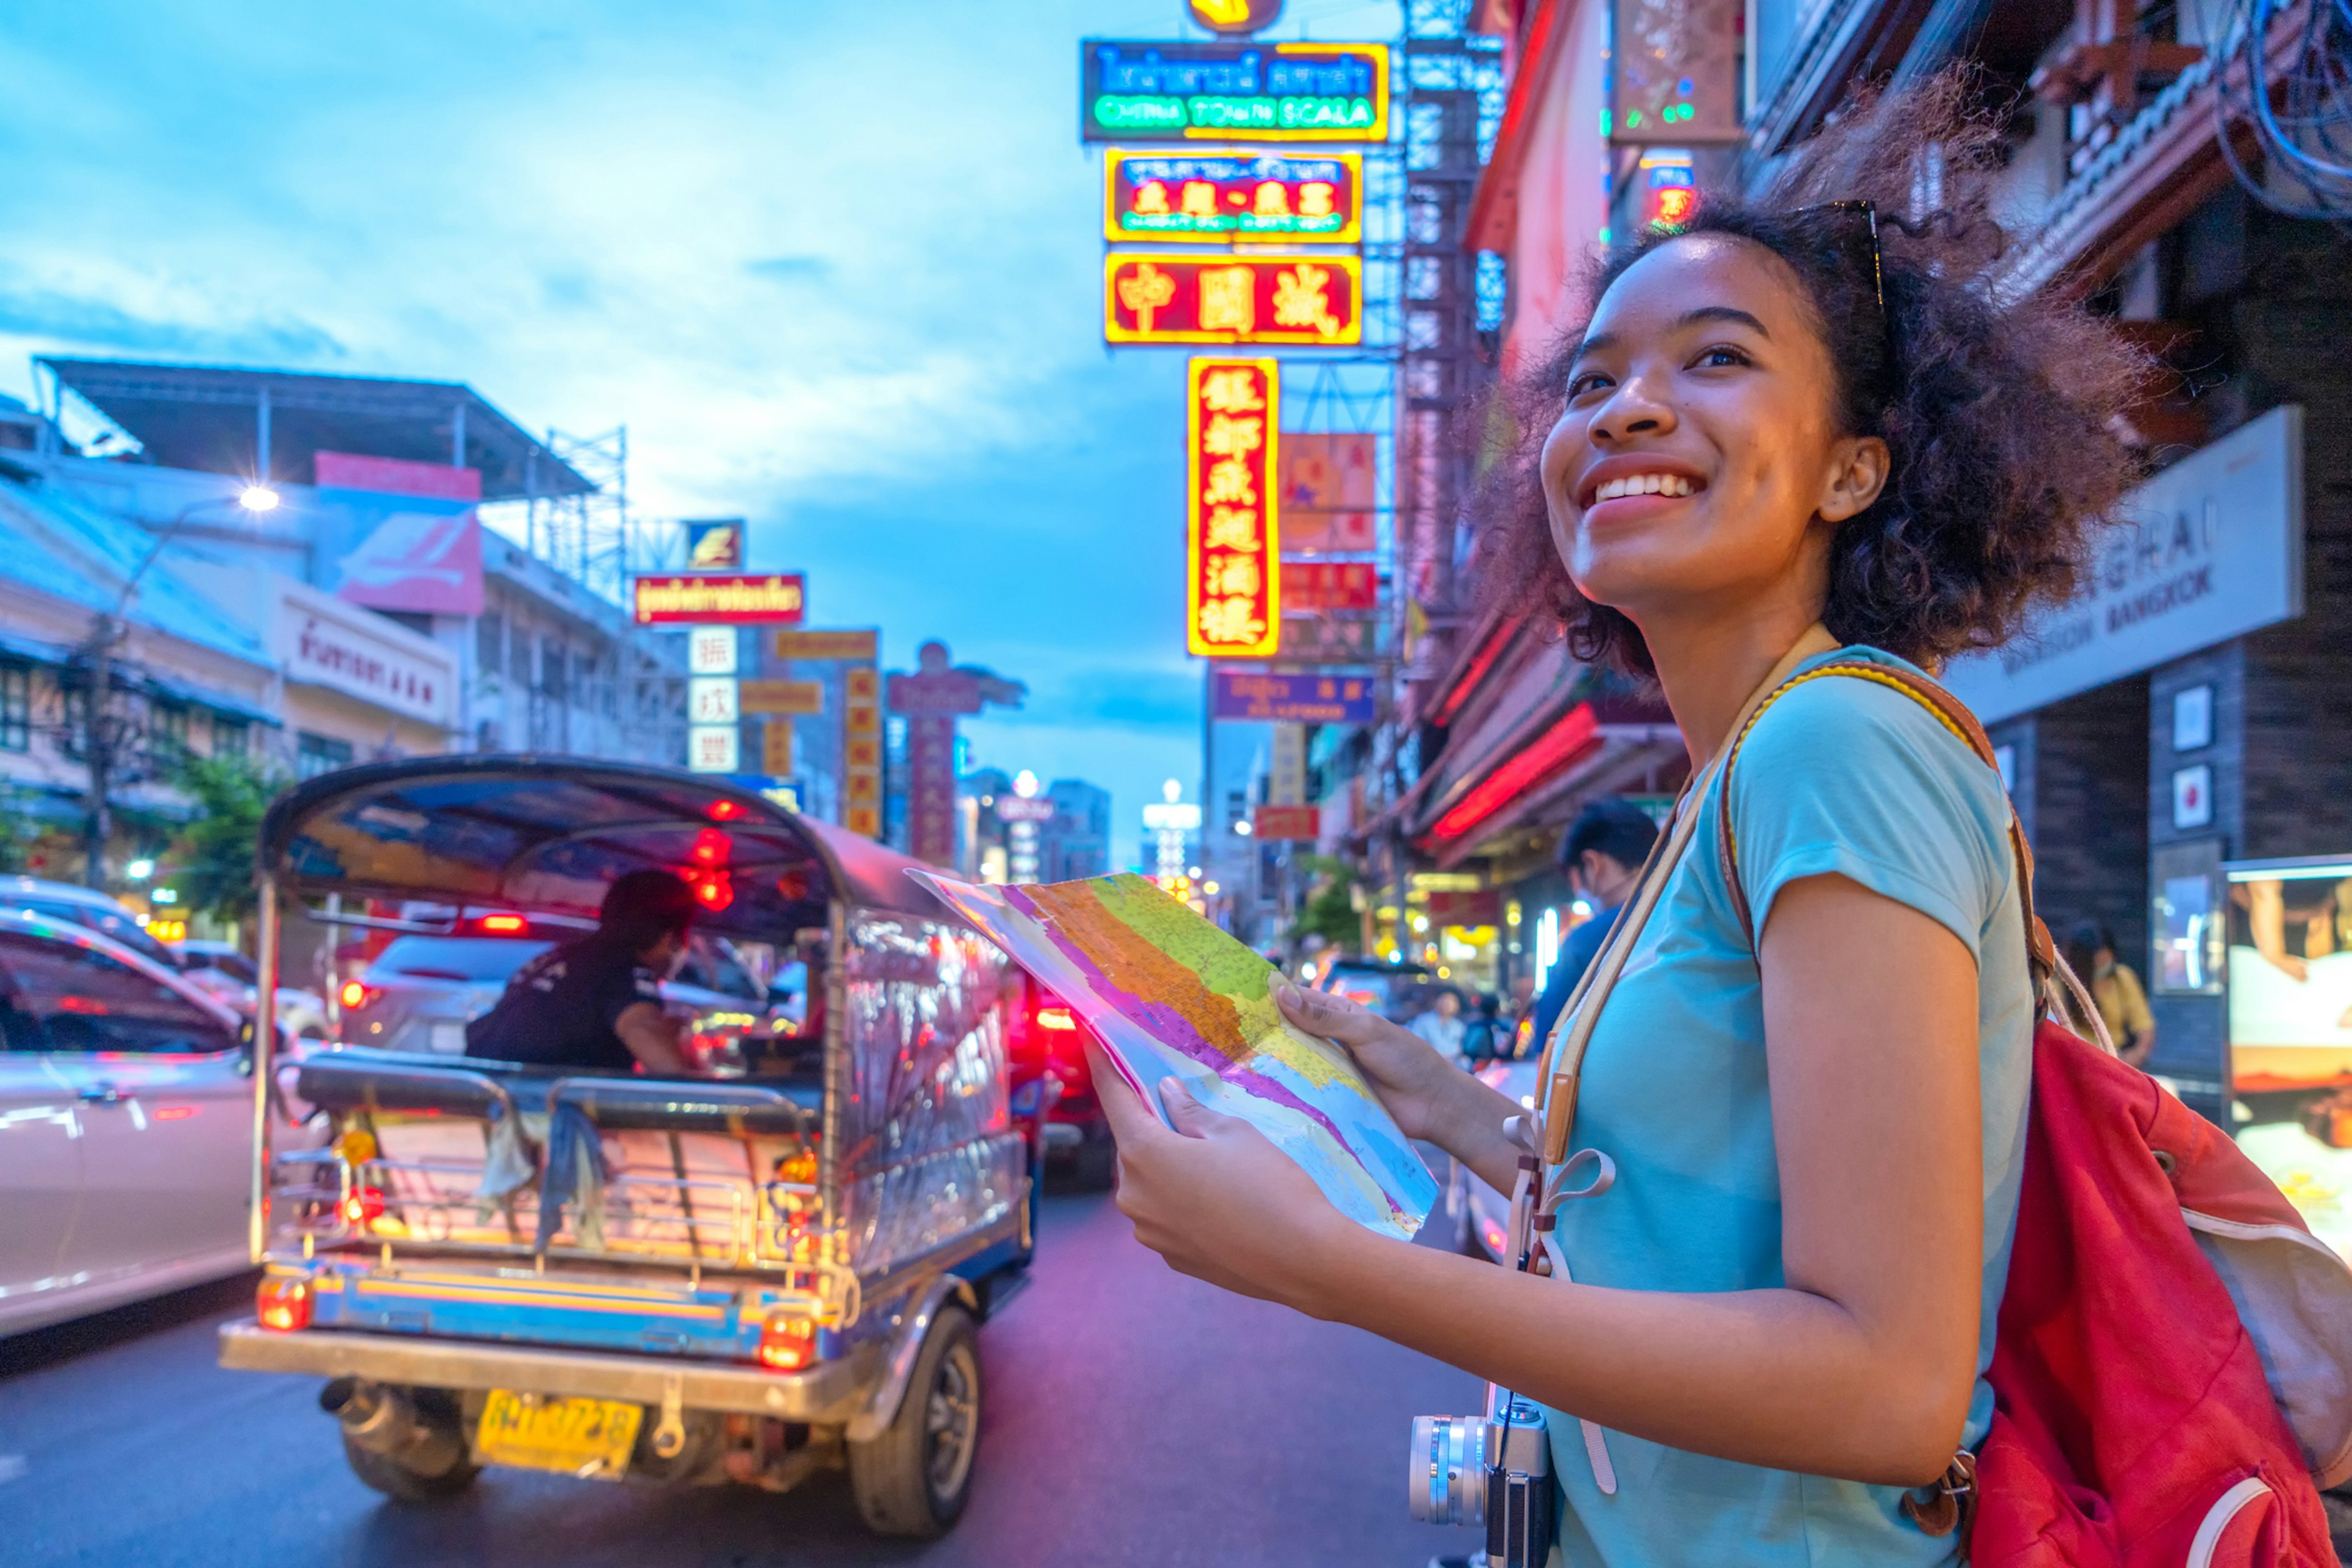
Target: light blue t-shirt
<point>1841,775</point>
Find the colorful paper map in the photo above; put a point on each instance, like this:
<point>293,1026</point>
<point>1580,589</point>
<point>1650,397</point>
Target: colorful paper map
<point>1173,996</point>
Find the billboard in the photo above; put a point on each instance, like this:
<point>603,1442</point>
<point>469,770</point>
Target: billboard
<point>1328,639</point>
<point>1330,585</point>
<point>1329,489</point>
<point>733,599</point>
<point>863,647</point>
<point>784,697</point>
<point>1294,699</point>
<point>1233,589</point>
<point>1144,91</point>
<point>1181,299</point>
<point>1675,72</point>
<point>1278,823</point>
<point>1213,198</point>
<point>714,545</point>
<point>404,535</point>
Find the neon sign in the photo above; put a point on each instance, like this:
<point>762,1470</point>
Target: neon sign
<point>719,600</point>
<point>1669,188</point>
<point>1174,299</point>
<point>1233,589</point>
<point>1214,197</point>
<point>1233,92</point>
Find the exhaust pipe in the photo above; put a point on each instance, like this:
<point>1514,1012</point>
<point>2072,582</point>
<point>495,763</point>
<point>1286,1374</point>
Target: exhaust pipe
<point>384,1419</point>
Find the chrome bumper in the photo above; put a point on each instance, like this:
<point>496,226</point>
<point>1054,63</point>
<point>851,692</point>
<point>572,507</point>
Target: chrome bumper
<point>833,1393</point>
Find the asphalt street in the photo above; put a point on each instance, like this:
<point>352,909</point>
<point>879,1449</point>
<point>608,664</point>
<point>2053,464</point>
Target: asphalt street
<point>1131,1417</point>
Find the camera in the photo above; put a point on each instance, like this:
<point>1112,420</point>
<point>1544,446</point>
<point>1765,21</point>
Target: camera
<point>1494,1469</point>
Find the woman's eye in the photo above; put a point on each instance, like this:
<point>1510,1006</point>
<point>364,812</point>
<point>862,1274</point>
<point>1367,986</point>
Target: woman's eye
<point>1590,381</point>
<point>1721,355</point>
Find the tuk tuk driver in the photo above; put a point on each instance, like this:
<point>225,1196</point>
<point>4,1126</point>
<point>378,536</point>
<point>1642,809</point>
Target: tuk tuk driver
<point>596,1002</point>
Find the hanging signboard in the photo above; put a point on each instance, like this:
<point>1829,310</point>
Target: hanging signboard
<point>861,749</point>
<point>715,698</point>
<point>1232,603</point>
<point>1328,639</point>
<point>1330,585</point>
<point>1143,91</point>
<point>784,697</point>
<point>860,645</point>
<point>734,600</point>
<point>1297,698</point>
<point>776,748</point>
<point>1329,489</point>
<point>1213,198</point>
<point>1176,298</point>
<point>1278,823</point>
<point>1675,72</point>
<point>710,650</point>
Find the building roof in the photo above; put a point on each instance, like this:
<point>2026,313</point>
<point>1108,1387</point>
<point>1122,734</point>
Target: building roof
<point>69,550</point>
<point>207,417</point>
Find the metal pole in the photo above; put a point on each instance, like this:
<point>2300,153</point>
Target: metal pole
<point>98,751</point>
<point>261,437</point>
<point>265,1063</point>
<point>1208,758</point>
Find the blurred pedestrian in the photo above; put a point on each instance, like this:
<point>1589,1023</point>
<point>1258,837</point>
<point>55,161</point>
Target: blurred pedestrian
<point>1484,1030</point>
<point>1602,852</point>
<point>2117,991</point>
<point>1440,1025</point>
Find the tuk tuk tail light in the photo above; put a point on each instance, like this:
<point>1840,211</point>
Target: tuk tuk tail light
<point>356,995</point>
<point>1056,1018</point>
<point>282,1304</point>
<point>362,1205</point>
<point>787,1344</point>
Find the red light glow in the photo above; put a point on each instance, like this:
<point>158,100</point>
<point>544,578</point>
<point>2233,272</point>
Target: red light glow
<point>1056,1018</point>
<point>723,810</point>
<point>787,1344</point>
<point>712,848</point>
<point>354,994</point>
<point>713,890</point>
<point>362,1205</point>
<point>504,925</point>
<point>1551,753</point>
<point>283,1304</point>
<point>173,1112</point>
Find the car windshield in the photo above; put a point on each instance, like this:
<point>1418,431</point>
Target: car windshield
<point>236,966</point>
<point>108,923</point>
<point>472,960</point>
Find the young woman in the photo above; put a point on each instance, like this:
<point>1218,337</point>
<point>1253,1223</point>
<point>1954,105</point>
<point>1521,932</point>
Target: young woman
<point>1788,415</point>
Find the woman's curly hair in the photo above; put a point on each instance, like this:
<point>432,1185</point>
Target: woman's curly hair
<point>2000,413</point>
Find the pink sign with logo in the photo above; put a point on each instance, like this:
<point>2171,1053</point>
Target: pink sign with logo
<point>414,543</point>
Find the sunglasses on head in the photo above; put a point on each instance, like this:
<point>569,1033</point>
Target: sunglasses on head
<point>1863,218</point>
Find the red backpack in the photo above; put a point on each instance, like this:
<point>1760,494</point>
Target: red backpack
<point>2172,1373</point>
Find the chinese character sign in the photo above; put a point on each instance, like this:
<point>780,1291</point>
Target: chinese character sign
<point>861,751</point>
<point>930,788</point>
<point>1233,91</point>
<point>1212,198</point>
<point>1330,585</point>
<point>1174,299</point>
<point>1232,600</point>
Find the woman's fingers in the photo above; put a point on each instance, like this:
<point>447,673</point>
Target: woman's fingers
<point>1132,1120</point>
<point>1188,1115</point>
<point>1320,1013</point>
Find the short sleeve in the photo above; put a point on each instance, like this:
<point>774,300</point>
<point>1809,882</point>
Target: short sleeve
<point>635,985</point>
<point>2138,1019</point>
<point>1845,776</point>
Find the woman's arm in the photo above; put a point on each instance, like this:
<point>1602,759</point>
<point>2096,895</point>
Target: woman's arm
<point>1860,1366</point>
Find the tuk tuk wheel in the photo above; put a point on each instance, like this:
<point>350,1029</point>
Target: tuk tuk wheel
<point>397,1481</point>
<point>914,1479</point>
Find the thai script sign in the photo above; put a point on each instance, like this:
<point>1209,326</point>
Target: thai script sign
<point>1177,299</point>
<point>862,646</point>
<point>1298,699</point>
<point>1131,91</point>
<point>1233,598</point>
<point>1216,197</point>
<point>722,600</point>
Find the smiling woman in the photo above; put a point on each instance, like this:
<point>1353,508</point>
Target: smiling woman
<point>1799,436</point>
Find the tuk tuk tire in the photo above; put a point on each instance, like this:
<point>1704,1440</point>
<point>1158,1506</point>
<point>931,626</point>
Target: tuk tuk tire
<point>897,1484</point>
<point>398,1482</point>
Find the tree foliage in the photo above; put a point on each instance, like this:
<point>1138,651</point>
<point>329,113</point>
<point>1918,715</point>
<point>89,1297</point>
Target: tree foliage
<point>1330,909</point>
<point>216,851</point>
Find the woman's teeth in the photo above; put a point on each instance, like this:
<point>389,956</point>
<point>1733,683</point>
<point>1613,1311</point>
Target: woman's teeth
<point>1644,485</point>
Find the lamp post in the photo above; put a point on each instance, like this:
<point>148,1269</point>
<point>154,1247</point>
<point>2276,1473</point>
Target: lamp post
<point>101,736</point>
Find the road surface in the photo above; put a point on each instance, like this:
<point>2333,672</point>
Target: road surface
<point>1132,1416</point>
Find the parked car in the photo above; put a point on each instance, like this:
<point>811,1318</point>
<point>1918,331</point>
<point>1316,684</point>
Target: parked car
<point>1393,990</point>
<point>84,907</point>
<point>218,967</point>
<point>126,1126</point>
<point>424,988</point>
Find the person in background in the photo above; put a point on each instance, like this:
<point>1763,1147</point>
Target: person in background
<point>596,1002</point>
<point>2123,1005</point>
<point>1602,852</point>
<point>1483,1029</point>
<point>1440,1025</point>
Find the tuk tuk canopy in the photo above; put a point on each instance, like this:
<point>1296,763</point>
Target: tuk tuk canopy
<point>550,835</point>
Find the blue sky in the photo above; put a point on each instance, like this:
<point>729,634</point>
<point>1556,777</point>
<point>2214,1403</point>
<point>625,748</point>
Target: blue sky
<point>838,268</point>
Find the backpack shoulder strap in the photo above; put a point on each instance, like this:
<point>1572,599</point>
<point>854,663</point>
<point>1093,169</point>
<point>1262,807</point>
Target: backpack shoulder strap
<point>2041,954</point>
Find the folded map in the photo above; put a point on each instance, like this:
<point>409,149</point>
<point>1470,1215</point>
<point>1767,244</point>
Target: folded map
<point>1172,995</point>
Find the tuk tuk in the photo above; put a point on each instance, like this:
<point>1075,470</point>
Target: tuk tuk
<point>755,1279</point>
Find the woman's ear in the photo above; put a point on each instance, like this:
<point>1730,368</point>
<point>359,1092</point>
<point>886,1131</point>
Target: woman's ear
<point>1858,469</point>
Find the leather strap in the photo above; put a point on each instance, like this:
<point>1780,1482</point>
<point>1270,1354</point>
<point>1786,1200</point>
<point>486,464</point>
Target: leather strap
<point>1563,1054</point>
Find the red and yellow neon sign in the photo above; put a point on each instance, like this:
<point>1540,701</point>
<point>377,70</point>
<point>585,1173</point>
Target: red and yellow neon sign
<point>1212,198</point>
<point>1174,299</point>
<point>1233,599</point>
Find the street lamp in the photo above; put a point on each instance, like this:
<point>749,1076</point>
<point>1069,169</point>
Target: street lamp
<point>99,738</point>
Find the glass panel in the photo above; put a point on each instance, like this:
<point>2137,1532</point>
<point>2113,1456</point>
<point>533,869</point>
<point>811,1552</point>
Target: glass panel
<point>61,997</point>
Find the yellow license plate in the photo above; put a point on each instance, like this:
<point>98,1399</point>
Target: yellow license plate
<point>542,1432</point>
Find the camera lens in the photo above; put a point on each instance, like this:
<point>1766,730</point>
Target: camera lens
<point>1446,1483</point>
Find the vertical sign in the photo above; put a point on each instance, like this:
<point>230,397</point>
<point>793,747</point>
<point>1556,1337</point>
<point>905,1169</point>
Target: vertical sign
<point>713,704</point>
<point>861,751</point>
<point>1286,784</point>
<point>776,748</point>
<point>1233,591</point>
<point>931,697</point>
